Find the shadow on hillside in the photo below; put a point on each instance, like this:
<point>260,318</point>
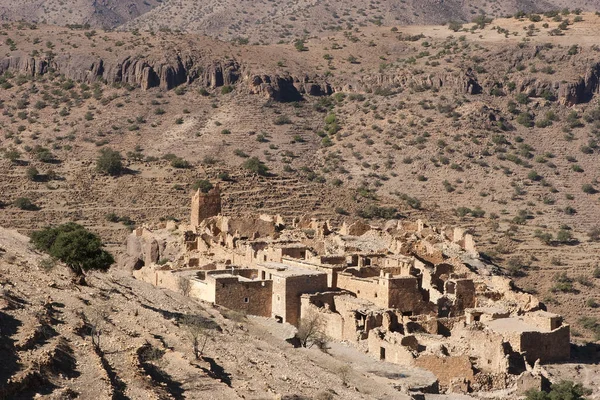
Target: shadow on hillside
<point>216,371</point>
<point>182,318</point>
<point>129,171</point>
<point>165,380</point>
<point>8,354</point>
<point>588,353</point>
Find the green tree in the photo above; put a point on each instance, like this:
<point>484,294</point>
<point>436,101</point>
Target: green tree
<point>33,174</point>
<point>204,185</point>
<point>25,204</point>
<point>299,45</point>
<point>110,162</point>
<point>565,390</point>
<point>12,155</point>
<point>80,249</point>
<point>253,164</point>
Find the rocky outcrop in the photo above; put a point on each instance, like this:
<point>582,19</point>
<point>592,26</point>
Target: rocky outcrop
<point>168,72</point>
<point>286,88</point>
<point>582,90</point>
<point>462,82</point>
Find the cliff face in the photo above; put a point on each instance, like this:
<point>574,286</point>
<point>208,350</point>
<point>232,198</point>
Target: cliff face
<point>168,73</point>
<point>582,90</point>
<point>173,70</point>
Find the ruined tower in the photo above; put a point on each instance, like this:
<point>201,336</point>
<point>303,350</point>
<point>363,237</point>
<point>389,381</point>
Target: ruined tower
<point>205,205</point>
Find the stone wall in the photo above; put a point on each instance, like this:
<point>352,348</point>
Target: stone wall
<point>368,289</point>
<point>202,290</point>
<point>404,294</point>
<point>287,291</point>
<point>390,347</point>
<point>253,298</point>
<point>546,346</point>
<point>333,323</point>
<point>446,368</point>
<point>205,205</point>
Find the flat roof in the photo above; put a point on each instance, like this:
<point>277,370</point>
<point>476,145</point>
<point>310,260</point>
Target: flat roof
<point>514,324</point>
<point>229,275</point>
<point>285,270</point>
<point>312,264</point>
<point>487,310</point>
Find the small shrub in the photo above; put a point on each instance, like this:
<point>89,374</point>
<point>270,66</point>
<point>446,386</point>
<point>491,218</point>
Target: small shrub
<point>592,303</point>
<point>180,163</point>
<point>25,204</point>
<point>204,185</point>
<point>33,174</point>
<point>594,234</point>
<point>110,162</point>
<point>525,119</point>
<point>253,164</point>
<point>589,189</point>
<point>563,236</point>
<point>373,211</point>
<point>282,120</point>
<point>564,390</point>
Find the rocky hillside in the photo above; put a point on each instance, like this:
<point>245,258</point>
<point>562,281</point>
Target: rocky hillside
<point>99,14</point>
<point>267,22</point>
<point>284,20</point>
<point>493,127</point>
<point>122,339</point>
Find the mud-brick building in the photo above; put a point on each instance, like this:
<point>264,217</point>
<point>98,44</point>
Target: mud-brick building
<point>289,283</point>
<point>236,289</point>
<point>382,288</point>
<point>538,335</point>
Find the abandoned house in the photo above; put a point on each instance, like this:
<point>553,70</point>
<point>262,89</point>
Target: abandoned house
<point>405,293</point>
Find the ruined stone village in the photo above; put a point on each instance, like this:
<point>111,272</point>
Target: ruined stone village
<point>405,292</point>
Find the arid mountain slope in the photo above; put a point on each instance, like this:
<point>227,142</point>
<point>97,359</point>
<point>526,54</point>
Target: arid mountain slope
<point>494,128</point>
<point>103,14</point>
<point>263,21</point>
<point>285,20</point>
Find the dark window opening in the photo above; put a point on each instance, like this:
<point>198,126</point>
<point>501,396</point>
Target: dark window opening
<point>382,353</point>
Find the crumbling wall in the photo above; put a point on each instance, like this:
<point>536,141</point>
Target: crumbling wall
<point>158,276</point>
<point>332,322</point>
<point>368,289</point>
<point>357,228</point>
<point>404,294</point>
<point>388,346</point>
<point>253,298</point>
<point>464,291</point>
<point>489,348</point>
<point>546,346</point>
<point>205,205</point>
<point>446,368</point>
